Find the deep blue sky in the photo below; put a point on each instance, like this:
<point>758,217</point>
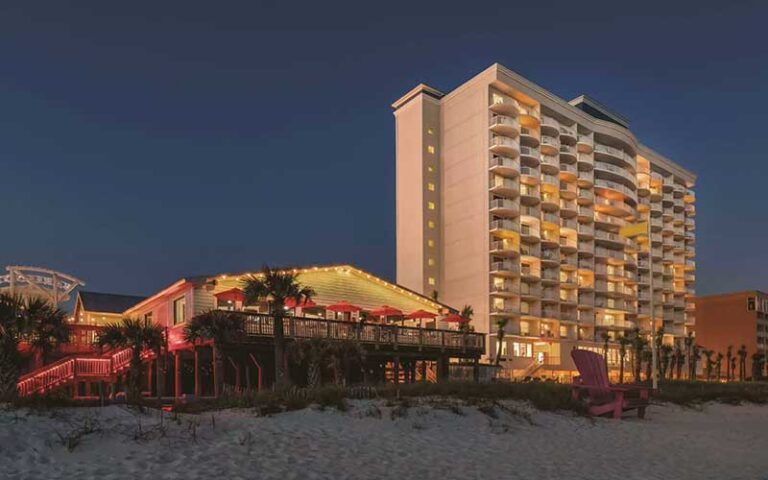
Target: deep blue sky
<point>141,142</point>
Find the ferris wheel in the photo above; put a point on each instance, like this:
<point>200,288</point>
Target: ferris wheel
<point>27,281</point>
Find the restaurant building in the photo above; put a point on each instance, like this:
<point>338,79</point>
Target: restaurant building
<point>406,336</point>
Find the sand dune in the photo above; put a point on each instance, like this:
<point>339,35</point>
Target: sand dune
<point>450,441</point>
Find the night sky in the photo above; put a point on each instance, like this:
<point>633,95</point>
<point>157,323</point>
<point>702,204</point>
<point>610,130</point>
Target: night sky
<point>143,142</point>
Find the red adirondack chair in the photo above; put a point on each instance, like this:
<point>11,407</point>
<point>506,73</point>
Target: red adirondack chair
<point>602,397</point>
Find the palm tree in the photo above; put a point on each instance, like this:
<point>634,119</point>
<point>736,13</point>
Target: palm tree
<point>709,363</point>
<point>665,354</point>
<point>733,369</point>
<point>689,352</point>
<point>648,359</point>
<point>606,338</point>
<point>48,328</point>
<point>679,360</point>
<point>718,365</point>
<point>757,366</point>
<point>638,345</point>
<point>623,343</point>
<point>277,287</point>
<point>695,357</point>
<point>742,353</point>
<point>223,329</point>
<point>313,352</point>
<point>659,338</point>
<point>729,363</point>
<point>500,325</point>
<point>34,321</point>
<point>466,312</point>
<point>138,335</point>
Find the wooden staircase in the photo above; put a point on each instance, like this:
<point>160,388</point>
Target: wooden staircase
<point>76,367</point>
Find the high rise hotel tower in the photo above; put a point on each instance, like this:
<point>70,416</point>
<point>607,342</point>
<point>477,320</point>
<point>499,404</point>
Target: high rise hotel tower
<point>510,199</point>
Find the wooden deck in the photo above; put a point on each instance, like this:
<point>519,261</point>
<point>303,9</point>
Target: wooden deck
<point>388,337</point>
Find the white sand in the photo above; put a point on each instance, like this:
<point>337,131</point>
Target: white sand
<point>720,442</point>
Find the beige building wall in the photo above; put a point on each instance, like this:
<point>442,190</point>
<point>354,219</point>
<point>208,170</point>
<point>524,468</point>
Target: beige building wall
<point>533,191</point>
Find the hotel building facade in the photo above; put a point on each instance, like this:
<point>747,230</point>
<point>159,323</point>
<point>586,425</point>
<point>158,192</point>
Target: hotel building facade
<point>510,199</point>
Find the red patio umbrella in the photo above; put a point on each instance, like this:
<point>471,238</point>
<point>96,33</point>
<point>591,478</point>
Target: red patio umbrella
<point>343,307</point>
<point>420,314</point>
<point>386,311</point>
<point>291,303</point>
<point>455,318</point>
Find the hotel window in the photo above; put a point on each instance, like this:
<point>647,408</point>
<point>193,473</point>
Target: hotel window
<point>430,131</point>
<point>431,262</point>
<point>522,349</point>
<point>179,310</point>
<point>430,243</point>
<point>431,280</point>
<point>503,348</point>
<point>430,168</point>
<point>431,187</point>
<point>497,98</point>
<point>525,328</point>
<point>431,205</point>
<point>431,148</point>
<point>430,224</point>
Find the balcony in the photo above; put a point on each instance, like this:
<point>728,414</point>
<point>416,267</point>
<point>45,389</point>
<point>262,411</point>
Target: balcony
<point>549,145</point>
<point>533,174</point>
<point>609,219</point>
<point>568,132</point>
<point>615,187</point>
<point>586,197</point>
<point>505,268</point>
<point>506,308</point>
<point>568,153</point>
<point>529,136</point>
<point>550,218</point>
<point>615,154</point>
<point>531,291</point>
<point>529,233</point>
<point>550,256</point>
<point>529,195</point>
<point>531,113</point>
<point>530,155</point>
<point>550,124</point>
<point>505,125</point>
<point>568,190</point>
<point>504,105</point>
<point>504,207</point>
<point>568,244</point>
<point>504,186</point>
<point>616,173</point>
<point>586,178</point>
<point>504,146</point>
<point>550,179</point>
<point>568,208</point>
<point>585,230</point>
<point>503,289</point>
<point>585,143</point>
<point>504,226</point>
<point>506,166</point>
<point>503,248</point>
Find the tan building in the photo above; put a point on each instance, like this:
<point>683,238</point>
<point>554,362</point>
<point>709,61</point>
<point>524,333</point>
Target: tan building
<point>733,319</point>
<point>510,199</point>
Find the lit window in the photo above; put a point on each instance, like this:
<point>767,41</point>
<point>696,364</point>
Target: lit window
<point>179,310</point>
<point>430,168</point>
<point>431,187</point>
<point>431,205</point>
<point>431,224</point>
<point>431,280</point>
<point>431,262</point>
<point>430,131</point>
<point>431,148</point>
<point>431,243</point>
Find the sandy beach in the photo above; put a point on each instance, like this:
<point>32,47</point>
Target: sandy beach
<point>373,440</point>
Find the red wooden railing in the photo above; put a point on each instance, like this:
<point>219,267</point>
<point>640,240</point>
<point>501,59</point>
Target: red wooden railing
<point>67,369</point>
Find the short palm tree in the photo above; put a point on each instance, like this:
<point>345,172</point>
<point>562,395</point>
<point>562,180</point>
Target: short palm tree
<point>679,361</point>
<point>138,335</point>
<point>606,338</point>
<point>223,329</point>
<point>708,366</point>
<point>718,365</point>
<point>500,325</point>
<point>665,356</point>
<point>312,352</point>
<point>467,312</point>
<point>728,363</point>
<point>638,345</point>
<point>26,320</point>
<point>48,328</point>
<point>694,361</point>
<point>688,353</point>
<point>742,353</point>
<point>277,287</point>
<point>623,343</point>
